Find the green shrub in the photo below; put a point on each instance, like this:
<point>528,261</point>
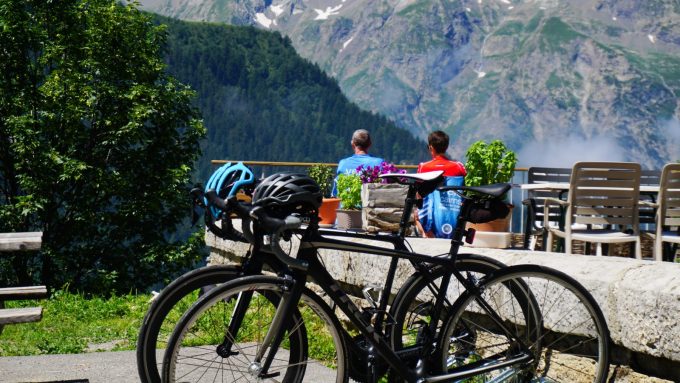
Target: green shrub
<point>349,191</point>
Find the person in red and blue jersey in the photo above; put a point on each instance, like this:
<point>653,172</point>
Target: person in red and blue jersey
<point>361,141</point>
<point>438,216</point>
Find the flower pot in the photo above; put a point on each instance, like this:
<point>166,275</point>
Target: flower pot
<point>383,206</point>
<point>348,219</point>
<point>327,211</point>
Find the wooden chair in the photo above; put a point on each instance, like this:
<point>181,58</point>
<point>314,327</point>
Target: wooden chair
<point>536,200</point>
<point>667,210</point>
<point>648,212</point>
<point>603,198</point>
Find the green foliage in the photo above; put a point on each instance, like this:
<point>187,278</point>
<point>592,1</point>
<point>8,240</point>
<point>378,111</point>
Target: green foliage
<point>349,191</point>
<point>262,101</point>
<point>323,175</point>
<point>72,322</point>
<point>489,163</point>
<point>96,143</point>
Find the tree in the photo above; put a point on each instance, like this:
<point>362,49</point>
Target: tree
<point>96,145</point>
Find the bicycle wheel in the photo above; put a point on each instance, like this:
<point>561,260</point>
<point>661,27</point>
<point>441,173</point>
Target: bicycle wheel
<point>567,336</point>
<point>202,349</point>
<point>166,310</point>
<point>411,309</point>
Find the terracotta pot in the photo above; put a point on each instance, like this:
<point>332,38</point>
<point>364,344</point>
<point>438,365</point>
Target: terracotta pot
<point>348,219</point>
<point>327,211</point>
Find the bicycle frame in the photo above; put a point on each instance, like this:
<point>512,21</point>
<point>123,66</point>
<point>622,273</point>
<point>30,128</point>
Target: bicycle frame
<point>310,266</point>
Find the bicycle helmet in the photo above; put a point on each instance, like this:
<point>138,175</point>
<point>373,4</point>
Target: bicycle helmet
<point>227,180</point>
<point>291,192</point>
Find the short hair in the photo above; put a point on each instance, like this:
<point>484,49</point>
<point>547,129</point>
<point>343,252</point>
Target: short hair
<point>438,140</point>
<point>361,139</point>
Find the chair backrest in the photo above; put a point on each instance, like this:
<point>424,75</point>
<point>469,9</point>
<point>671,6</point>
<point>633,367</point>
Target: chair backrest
<point>648,177</point>
<point>604,193</point>
<point>544,175</point>
<point>669,195</point>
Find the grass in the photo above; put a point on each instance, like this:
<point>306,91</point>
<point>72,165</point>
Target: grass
<point>73,324</point>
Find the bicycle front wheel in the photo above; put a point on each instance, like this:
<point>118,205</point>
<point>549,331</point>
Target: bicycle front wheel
<point>166,310</point>
<point>565,338</point>
<point>206,346</point>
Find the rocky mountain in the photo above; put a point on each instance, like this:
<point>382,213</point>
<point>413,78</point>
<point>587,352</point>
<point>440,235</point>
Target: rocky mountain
<point>557,80</point>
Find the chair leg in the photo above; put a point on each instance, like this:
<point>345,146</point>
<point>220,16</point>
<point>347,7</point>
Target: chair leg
<point>598,249</point>
<point>658,249</point>
<point>548,243</point>
<point>567,245</point>
<point>638,248</point>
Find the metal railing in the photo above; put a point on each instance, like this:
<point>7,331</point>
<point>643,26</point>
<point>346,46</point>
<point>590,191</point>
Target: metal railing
<point>515,196</point>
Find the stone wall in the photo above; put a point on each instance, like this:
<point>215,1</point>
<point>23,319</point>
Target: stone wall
<point>640,299</point>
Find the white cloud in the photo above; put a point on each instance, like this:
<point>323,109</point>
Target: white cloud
<point>563,152</point>
<point>671,131</point>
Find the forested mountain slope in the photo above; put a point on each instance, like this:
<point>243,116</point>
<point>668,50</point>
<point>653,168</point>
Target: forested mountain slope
<point>261,101</point>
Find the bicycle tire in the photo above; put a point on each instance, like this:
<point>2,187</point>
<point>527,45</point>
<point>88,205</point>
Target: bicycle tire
<point>204,323</point>
<point>410,310</point>
<point>568,336</point>
<point>158,322</point>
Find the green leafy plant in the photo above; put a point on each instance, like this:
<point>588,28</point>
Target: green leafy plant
<point>489,163</point>
<point>323,175</point>
<point>349,191</point>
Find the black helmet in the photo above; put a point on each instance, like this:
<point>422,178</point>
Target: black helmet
<point>292,191</point>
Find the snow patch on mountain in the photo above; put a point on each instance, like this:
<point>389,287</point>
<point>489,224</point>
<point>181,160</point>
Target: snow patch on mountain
<point>330,11</point>
<point>263,20</point>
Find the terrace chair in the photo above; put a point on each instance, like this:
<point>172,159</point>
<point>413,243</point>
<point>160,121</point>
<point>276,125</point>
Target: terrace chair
<point>667,211</point>
<point>604,197</point>
<point>647,212</point>
<point>535,201</point>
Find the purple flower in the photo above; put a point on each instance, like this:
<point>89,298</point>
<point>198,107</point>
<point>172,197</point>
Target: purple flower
<point>371,174</point>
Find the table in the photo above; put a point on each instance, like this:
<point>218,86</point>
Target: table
<point>564,186</point>
<point>12,242</point>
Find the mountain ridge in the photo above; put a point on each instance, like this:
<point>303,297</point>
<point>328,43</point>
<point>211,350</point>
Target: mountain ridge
<point>602,74</point>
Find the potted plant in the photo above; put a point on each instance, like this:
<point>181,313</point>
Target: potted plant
<point>349,192</point>
<point>323,175</point>
<point>382,200</point>
<point>490,164</point>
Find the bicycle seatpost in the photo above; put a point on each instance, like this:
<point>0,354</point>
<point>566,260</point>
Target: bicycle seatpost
<point>408,210</point>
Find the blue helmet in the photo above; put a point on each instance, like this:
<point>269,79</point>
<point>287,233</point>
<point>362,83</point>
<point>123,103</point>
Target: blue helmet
<point>227,180</point>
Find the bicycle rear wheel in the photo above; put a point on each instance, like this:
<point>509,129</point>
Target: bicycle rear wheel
<point>567,337</point>
<point>202,349</point>
<point>411,308</point>
<point>166,310</point>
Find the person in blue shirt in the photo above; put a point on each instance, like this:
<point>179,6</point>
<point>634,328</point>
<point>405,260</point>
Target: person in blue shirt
<point>361,141</point>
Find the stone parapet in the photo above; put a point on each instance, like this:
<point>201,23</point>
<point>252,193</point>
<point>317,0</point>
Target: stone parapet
<point>640,299</point>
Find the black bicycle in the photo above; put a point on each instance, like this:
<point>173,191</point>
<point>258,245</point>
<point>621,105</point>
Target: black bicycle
<point>517,324</point>
<point>175,299</point>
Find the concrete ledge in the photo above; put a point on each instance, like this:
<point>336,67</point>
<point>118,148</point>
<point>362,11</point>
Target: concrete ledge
<point>640,299</point>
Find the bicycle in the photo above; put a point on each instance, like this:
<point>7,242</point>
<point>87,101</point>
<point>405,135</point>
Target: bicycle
<point>501,328</point>
<point>177,297</point>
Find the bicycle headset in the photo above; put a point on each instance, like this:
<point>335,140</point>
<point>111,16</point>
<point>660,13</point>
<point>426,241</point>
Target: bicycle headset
<point>290,192</point>
<point>227,180</point>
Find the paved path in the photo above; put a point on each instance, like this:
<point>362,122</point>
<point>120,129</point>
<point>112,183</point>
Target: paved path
<point>95,367</point>
<point>104,367</point>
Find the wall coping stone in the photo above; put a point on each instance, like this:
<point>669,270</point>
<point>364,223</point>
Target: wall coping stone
<point>640,299</point>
